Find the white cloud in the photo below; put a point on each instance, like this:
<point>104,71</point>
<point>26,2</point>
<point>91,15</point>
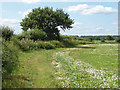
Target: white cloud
<point>9,21</point>
<point>99,28</point>
<point>85,9</point>
<point>77,8</point>
<point>30,1</point>
<point>24,13</point>
<point>12,23</point>
<point>98,10</point>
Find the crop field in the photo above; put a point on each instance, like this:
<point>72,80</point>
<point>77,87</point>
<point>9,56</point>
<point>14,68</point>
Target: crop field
<point>88,66</point>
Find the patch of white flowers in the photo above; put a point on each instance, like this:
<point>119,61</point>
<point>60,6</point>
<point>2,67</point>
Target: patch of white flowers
<point>77,74</point>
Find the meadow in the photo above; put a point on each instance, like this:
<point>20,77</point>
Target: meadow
<point>88,66</point>
<point>39,59</point>
<point>84,66</point>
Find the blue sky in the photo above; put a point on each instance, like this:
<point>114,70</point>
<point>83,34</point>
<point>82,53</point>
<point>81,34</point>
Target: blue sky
<point>91,18</point>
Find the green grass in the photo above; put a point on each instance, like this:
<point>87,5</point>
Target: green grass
<point>101,56</point>
<point>87,66</point>
<point>106,41</point>
<point>36,70</point>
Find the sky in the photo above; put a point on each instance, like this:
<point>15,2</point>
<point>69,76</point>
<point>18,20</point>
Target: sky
<point>91,18</point>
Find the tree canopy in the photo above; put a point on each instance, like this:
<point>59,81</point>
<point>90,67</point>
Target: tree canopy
<point>47,20</point>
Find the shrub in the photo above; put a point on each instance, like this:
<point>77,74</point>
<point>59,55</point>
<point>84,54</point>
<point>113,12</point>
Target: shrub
<point>48,45</point>
<point>20,37</point>
<point>57,44</point>
<point>68,43</point>
<point>44,45</point>
<point>9,58</point>
<point>7,32</point>
<point>37,34</point>
<point>102,40</point>
<point>34,34</point>
<point>90,39</point>
<point>85,42</point>
<point>26,34</point>
<point>66,37</point>
<point>118,40</point>
<point>25,44</point>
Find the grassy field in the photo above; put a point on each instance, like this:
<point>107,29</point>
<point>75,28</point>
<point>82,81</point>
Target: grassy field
<point>106,41</point>
<point>87,66</point>
<point>35,70</point>
<point>101,56</point>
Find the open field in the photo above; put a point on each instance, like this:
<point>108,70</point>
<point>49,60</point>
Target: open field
<point>106,41</point>
<point>87,66</point>
<point>59,45</point>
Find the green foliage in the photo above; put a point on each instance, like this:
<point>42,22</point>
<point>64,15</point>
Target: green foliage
<point>84,42</point>
<point>9,57</point>
<point>66,37</point>
<point>34,34</point>
<point>69,43</point>
<point>117,40</point>
<point>27,44</point>
<point>96,38</point>
<point>9,61</point>
<point>90,39</point>
<point>7,32</point>
<point>57,44</point>
<point>37,34</point>
<point>48,20</point>
<point>102,40</point>
<point>45,45</point>
<point>109,37</point>
<point>20,36</point>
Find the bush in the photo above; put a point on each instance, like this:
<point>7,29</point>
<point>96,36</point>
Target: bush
<point>102,40</point>
<point>48,45</point>
<point>68,43</point>
<point>7,32</point>
<point>57,44</point>
<point>85,42</point>
<point>66,37</point>
<point>90,39</point>
<point>27,44</point>
<point>9,58</point>
<point>36,34</point>
<point>20,37</point>
<point>44,45</point>
<point>118,40</point>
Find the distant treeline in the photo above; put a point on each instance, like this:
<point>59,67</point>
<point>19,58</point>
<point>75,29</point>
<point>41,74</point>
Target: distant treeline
<point>105,37</point>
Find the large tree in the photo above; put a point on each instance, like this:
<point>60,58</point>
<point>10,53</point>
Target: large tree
<point>47,20</point>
